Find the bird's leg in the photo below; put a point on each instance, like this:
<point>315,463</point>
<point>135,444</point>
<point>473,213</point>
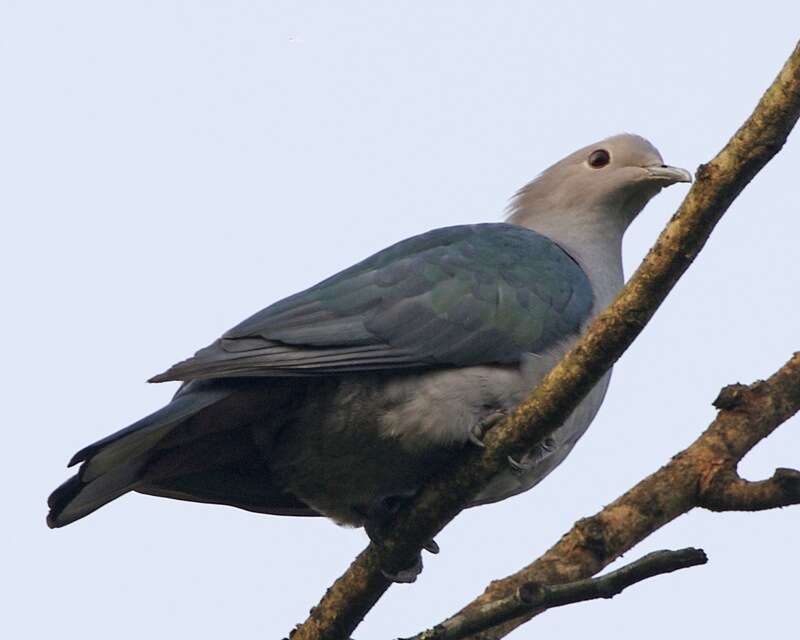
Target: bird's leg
<point>483,425</point>
<point>376,525</point>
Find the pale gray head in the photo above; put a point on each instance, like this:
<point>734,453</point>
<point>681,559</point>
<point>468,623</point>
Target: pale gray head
<point>603,186</point>
<point>587,200</point>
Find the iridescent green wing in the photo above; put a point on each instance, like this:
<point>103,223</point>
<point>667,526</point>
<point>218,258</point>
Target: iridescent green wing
<point>464,295</point>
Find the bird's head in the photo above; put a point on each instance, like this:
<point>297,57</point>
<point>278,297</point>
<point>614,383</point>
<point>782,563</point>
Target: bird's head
<point>603,185</point>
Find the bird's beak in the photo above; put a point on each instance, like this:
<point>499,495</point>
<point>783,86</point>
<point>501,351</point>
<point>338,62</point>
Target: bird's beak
<point>666,175</point>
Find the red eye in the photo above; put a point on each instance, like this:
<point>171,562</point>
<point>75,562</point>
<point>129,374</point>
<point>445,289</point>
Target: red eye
<point>599,158</point>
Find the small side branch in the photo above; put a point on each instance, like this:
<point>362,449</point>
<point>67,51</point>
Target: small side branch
<point>732,493</point>
<point>535,598</point>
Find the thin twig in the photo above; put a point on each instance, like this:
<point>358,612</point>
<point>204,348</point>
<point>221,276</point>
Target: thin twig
<point>729,492</point>
<point>533,597</point>
<point>718,183</point>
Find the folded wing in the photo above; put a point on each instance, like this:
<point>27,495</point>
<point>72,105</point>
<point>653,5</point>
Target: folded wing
<point>457,296</point>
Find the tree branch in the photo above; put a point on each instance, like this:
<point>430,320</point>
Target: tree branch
<point>533,598</point>
<point>717,185</point>
<point>701,475</point>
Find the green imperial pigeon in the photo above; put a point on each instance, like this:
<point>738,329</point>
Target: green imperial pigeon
<point>342,399</point>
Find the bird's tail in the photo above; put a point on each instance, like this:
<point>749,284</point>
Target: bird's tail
<point>113,466</point>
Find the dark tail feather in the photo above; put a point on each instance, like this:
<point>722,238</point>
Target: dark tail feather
<point>75,499</point>
<point>113,466</point>
<point>141,435</point>
<point>224,468</point>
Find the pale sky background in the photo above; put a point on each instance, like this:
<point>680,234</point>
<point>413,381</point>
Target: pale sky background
<point>168,168</point>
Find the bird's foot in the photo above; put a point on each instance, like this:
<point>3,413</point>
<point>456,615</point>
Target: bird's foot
<point>375,532</point>
<point>409,574</point>
<point>376,528</point>
<point>483,425</point>
<point>529,460</point>
<point>405,576</point>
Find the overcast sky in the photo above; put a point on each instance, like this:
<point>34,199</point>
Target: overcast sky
<point>169,168</point>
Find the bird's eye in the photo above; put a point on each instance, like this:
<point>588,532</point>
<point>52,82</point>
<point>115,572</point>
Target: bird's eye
<point>599,158</point>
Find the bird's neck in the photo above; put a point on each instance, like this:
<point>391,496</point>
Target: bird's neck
<point>593,241</point>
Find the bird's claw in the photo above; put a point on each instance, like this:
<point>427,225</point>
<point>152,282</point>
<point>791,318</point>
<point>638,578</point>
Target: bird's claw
<point>409,574</point>
<point>431,547</point>
<point>529,460</point>
<point>519,468</point>
<point>480,428</point>
<point>475,436</point>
